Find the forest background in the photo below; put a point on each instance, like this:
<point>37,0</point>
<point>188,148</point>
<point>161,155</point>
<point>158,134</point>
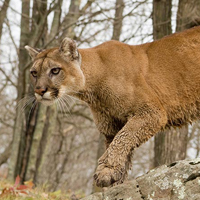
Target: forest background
<point>60,145</point>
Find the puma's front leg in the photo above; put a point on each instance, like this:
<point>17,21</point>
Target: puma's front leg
<point>115,162</point>
<point>107,125</point>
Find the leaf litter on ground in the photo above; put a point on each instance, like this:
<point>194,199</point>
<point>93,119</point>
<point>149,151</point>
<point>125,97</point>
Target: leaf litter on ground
<point>27,191</point>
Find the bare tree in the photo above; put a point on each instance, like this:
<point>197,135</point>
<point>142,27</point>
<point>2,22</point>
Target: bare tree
<point>161,18</point>
<point>18,143</point>
<point>117,24</point>
<point>3,12</point>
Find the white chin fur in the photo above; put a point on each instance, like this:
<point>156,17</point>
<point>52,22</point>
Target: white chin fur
<point>38,97</point>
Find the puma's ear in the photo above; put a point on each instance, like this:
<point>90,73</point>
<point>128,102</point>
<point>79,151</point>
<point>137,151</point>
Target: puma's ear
<point>32,52</point>
<point>68,49</point>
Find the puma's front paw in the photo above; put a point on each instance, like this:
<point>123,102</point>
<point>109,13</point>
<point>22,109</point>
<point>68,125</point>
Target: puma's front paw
<point>106,176</point>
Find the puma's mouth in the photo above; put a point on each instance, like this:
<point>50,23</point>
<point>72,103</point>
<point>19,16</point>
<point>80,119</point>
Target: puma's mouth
<point>46,99</point>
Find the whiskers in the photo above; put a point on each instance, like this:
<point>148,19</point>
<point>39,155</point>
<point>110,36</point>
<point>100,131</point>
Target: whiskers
<point>34,103</point>
<point>66,103</point>
<point>63,107</point>
<point>26,105</point>
<point>25,102</point>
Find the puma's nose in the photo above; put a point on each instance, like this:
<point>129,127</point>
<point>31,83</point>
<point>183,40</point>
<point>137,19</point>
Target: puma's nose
<point>40,90</point>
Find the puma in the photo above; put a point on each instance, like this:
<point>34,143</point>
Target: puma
<point>132,91</point>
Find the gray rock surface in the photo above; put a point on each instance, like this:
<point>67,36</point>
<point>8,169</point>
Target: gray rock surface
<point>178,181</point>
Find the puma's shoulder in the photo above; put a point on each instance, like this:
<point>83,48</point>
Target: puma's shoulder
<point>116,54</point>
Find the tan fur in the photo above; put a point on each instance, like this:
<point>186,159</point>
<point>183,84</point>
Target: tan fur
<point>133,91</point>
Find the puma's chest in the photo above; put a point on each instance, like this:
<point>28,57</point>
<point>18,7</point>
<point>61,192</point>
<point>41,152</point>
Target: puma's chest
<point>111,105</point>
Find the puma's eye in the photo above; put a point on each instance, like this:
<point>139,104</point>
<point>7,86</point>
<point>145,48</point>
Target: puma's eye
<point>34,73</point>
<point>55,71</point>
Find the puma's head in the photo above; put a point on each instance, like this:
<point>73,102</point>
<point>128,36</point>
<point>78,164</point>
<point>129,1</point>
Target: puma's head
<point>56,72</point>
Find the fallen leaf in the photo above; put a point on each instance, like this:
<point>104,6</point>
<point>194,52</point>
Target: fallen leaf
<point>29,184</point>
<point>17,181</point>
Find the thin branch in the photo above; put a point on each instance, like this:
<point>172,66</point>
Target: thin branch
<point>11,36</point>
<point>8,78</point>
<point>6,154</point>
<point>6,124</point>
<point>87,5</point>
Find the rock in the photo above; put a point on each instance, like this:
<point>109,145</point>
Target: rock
<point>124,191</point>
<point>178,181</point>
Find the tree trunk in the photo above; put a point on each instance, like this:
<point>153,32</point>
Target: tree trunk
<point>19,127</point>
<point>70,19</point>
<point>41,164</point>
<point>3,13</point>
<point>101,149</point>
<point>161,18</point>
<point>33,155</point>
<point>117,25</point>
<point>170,146</point>
<point>188,14</point>
<point>55,23</point>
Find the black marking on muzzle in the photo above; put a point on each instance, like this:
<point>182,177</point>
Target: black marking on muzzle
<point>55,92</point>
